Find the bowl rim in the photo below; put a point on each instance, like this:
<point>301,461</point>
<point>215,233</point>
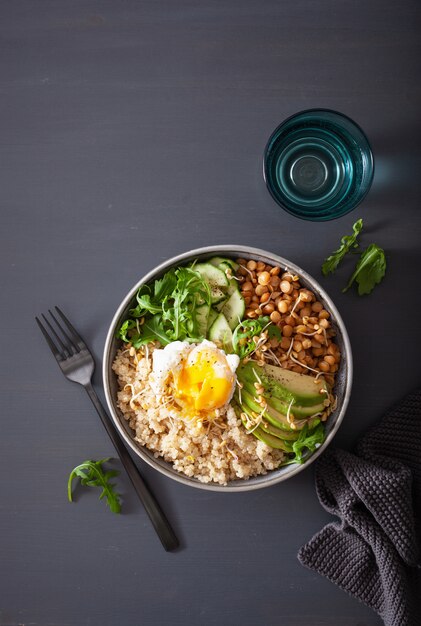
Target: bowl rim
<point>272,477</point>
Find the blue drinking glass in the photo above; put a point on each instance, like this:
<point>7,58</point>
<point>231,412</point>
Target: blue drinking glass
<point>318,165</point>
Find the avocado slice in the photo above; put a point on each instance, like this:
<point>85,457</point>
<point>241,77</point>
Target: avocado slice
<point>277,419</point>
<point>276,423</point>
<point>299,412</point>
<point>283,384</point>
<point>305,389</point>
<point>287,436</point>
<point>270,440</point>
<point>267,437</point>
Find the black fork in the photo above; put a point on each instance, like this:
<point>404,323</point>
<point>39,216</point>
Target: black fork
<point>77,364</point>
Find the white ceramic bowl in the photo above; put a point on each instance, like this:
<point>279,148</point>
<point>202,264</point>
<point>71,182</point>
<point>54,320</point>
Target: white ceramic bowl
<point>343,377</point>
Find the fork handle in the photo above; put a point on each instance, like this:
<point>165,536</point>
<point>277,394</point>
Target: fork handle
<point>152,508</point>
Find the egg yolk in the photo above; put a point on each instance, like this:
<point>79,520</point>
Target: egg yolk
<point>205,381</point>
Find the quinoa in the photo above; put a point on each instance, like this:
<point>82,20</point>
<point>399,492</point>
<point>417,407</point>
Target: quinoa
<point>218,450</point>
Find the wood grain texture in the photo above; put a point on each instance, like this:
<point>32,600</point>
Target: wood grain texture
<point>133,131</point>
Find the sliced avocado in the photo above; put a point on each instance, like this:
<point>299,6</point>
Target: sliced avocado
<point>283,384</point>
<point>291,435</point>
<point>299,412</point>
<point>270,440</point>
<point>280,421</point>
<point>267,437</point>
<point>276,419</point>
<point>306,390</point>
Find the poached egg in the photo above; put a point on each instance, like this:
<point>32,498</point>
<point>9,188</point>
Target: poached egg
<point>201,377</point>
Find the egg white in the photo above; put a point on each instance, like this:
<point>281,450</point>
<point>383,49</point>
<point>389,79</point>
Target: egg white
<point>168,362</point>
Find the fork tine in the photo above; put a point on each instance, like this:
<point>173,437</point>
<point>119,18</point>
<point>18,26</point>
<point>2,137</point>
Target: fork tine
<point>58,356</point>
<point>71,328</point>
<point>73,347</point>
<point>64,349</point>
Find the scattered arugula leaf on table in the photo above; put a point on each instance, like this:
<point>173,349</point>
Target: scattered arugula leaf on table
<point>369,270</point>
<point>91,474</point>
<point>348,243</point>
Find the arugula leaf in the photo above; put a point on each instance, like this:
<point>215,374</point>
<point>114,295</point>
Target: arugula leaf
<point>124,329</point>
<point>369,270</point>
<point>165,286</point>
<point>91,474</point>
<point>145,303</point>
<point>307,440</point>
<point>168,308</point>
<point>150,301</point>
<point>274,332</point>
<point>347,243</point>
<point>242,336</point>
<point>151,330</point>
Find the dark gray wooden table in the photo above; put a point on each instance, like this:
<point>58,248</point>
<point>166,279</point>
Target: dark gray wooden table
<point>132,131</point>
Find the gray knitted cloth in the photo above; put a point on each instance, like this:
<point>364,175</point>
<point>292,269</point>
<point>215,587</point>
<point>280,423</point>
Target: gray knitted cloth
<point>373,553</point>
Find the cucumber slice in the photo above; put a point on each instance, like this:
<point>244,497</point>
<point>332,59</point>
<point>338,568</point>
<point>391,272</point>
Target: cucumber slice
<point>217,260</point>
<point>234,309</point>
<point>226,268</point>
<point>220,333</point>
<point>212,317</point>
<point>202,317</point>
<point>233,286</point>
<point>220,305</point>
<point>217,295</point>
<point>214,276</point>
<point>216,279</point>
<point>229,271</point>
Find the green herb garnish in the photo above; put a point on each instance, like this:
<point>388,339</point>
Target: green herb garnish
<point>243,335</point>
<point>91,474</point>
<point>307,440</point>
<point>348,242</point>
<point>274,332</point>
<point>126,326</point>
<point>168,309</point>
<point>370,270</point>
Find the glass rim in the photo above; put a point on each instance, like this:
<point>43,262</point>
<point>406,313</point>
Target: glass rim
<point>369,154</point>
